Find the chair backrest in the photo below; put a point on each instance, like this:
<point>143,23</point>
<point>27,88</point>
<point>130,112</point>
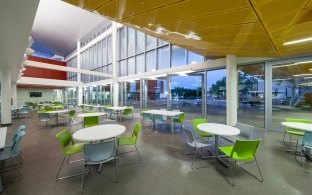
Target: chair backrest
<point>246,131</point>
<point>307,139</point>
<point>99,152</point>
<point>136,130</point>
<point>72,113</point>
<point>90,121</point>
<point>16,144</point>
<point>24,110</point>
<point>245,149</point>
<point>189,137</point>
<point>127,111</point>
<point>65,139</point>
<point>147,116</point>
<point>297,120</point>
<point>181,117</point>
<point>197,121</point>
<point>48,108</point>
<point>19,129</point>
<point>158,117</point>
<point>43,115</point>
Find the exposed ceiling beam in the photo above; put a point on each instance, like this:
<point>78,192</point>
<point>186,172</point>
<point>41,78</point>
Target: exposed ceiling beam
<point>48,82</point>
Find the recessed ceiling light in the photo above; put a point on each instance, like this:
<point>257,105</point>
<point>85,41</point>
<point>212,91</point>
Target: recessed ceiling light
<point>298,41</point>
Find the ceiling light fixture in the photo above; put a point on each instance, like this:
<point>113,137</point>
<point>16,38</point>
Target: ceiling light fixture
<point>298,41</point>
<point>302,75</point>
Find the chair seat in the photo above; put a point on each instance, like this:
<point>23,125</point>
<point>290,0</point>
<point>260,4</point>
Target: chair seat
<point>295,132</point>
<point>6,154</point>
<point>203,134</point>
<point>232,138</point>
<point>198,144</point>
<point>126,141</point>
<point>227,150</point>
<point>76,148</point>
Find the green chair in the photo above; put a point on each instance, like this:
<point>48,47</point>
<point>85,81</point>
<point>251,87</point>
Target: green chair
<point>72,115</point>
<point>292,131</point>
<point>242,150</point>
<point>180,119</point>
<point>198,121</point>
<point>90,121</point>
<point>68,148</point>
<point>48,108</point>
<point>131,140</point>
<point>127,112</point>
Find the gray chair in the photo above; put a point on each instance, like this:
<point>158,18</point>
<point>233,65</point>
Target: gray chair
<point>10,144</point>
<point>195,144</point>
<point>97,154</point>
<point>147,117</point>
<point>246,133</point>
<point>43,117</point>
<point>23,112</point>
<point>159,118</point>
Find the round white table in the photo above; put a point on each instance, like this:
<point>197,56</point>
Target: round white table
<point>99,133</point>
<point>218,130</point>
<point>57,112</point>
<point>299,126</point>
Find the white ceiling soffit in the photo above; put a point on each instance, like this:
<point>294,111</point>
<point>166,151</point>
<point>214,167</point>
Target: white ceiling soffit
<point>16,19</point>
<point>59,25</point>
<point>48,82</point>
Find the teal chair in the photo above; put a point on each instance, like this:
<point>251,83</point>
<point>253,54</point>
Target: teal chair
<point>293,132</point>
<point>198,121</point>
<point>242,150</point>
<point>306,143</point>
<point>90,121</point>
<point>131,140</point>
<point>68,147</point>
<point>13,153</point>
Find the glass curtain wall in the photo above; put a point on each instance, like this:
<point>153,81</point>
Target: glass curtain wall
<point>216,96</point>
<point>154,94</point>
<point>251,95</point>
<point>291,91</point>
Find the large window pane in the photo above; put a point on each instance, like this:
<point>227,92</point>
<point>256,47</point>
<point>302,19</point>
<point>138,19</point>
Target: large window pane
<point>291,92</point>
<point>251,95</point>
<point>123,43</point>
<point>104,51</point>
<point>109,50</point>
<point>194,58</point>
<point>131,41</point>
<point>186,95</point>
<point>150,61</point>
<point>140,42</point>
<point>140,63</point>
<point>216,96</point>
<point>177,56</point>
<point>123,68</point>
<point>150,42</point>
<point>100,53</point>
<point>161,42</point>
<point>131,66</point>
<point>163,58</point>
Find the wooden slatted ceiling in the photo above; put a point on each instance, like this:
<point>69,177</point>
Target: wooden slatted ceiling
<point>216,28</point>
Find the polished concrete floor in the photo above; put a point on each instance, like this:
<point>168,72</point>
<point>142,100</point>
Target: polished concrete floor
<point>164,168</point>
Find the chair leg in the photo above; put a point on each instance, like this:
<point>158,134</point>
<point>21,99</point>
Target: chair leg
<point>60,168</point>
<point>259,179</point>
<point>84,181</point>
<point>59,178</point>
<point>117,165</point>
<point>138,152</point>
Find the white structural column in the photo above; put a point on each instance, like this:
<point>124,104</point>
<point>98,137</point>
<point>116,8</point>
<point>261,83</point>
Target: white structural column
<point>115,69</point>
<point>79,89</point>
<point>6,97</point>
<point>14,94</point>
<point>231,90</point>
